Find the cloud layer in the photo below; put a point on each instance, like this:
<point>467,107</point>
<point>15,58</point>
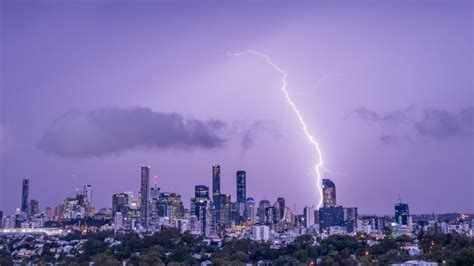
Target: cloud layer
<point>434,123</point>
<point>443,124</point>
<point>113,130</point>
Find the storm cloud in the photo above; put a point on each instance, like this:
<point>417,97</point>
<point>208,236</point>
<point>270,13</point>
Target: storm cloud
<point>396,116</point>
<point>433,123</point>
<point>442,124</point>
<point>106,131</point>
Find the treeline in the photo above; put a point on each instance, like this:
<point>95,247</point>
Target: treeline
<point>170,247</point>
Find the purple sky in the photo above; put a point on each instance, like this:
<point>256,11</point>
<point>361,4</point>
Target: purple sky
<point>99,89</point>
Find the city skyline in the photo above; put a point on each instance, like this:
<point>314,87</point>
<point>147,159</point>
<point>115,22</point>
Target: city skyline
<point>147,191</point>
<point>91,90</point>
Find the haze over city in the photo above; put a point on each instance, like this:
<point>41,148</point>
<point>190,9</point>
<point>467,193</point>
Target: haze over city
<point>91,91</point>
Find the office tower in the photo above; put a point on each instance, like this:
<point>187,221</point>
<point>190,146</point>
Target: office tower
<point>240,214</point>
<point>49,213</point>
<point>87,192</point>
<point>144,189</point>
<point>118,220</point>
<point>120,203</point>
<point>201,192</point>
<point>308,213</point>
<point>333,216</point>
<point>59,212</point>
<point>261,210</point>
<point>24,195</point>
<point>350,218</point>
<point>401,213</point>
<point>170,205</point>
<point>316,216</point>
<point>34,207</point>
<point>226,210</point>
<point>154,192</point>
<point>329,193</point>
<point>216,191</point>
<point>281,208</point>
<point>241,187</point>
<point>250,210</point>
<point>271,215</point>
<point>1,219</point>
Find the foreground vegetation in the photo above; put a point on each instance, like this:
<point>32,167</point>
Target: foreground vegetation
<point>173,248</point>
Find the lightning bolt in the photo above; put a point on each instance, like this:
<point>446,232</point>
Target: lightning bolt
<point>319,163</point>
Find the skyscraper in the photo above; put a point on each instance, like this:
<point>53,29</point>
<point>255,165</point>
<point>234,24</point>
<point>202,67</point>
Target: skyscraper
<point>250,209</point>
<point>329,193</point>
<point>144,189</point>
<point>199,204</point>
<point>241,187</point>
<point>261,210</point>
<point>201,192</point>
<point>216,191</point>
<point>226,210</point>
<point>24,195</point>
<point>120,204</point>
<point>308,213</point>
<point>401,213</point>
<point>34,207</point>
<point>241,196</point>
<point>281,208</point>
<point>87,192</point>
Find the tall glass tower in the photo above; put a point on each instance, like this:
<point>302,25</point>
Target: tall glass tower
<point>144,188</point>
<point>401,213</point>
<point>24,195</point>
<point>241,187</point>
<point>329,193</point>
<point>216,191</point>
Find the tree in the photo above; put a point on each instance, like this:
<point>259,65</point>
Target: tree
<point>105,258</point>
<point>152,256</point>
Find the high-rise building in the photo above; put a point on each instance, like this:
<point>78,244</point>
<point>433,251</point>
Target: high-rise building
<point>216,191</point>
<point>118,220</point>
<point>120,204</point>
<point>350,218</point>
<point>308,213</point>
<point>144,189</point>
<point>281,208</point>
<point>271,216</point>
<point>24,195</point>
<point>199,204</point>
<point>49,213</point>
<point>263,205</point>
<point>240,214</point>
<point>201,192</point>
<point>1,219</point>
<point>87,192</point>
<point>170,205</point>
<point>402,213</point>
<point>226,210</point>
<point>241,187</point>
<point>250,210</point>
<point>331,216</point>
<point>329,193</point>
<point>34,207</point>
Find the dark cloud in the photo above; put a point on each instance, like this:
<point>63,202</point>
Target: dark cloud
<point>435,123</point>
<point>113,130</point>
<point>249,133</point>
<point>397,116</point>
<point>442,124</point>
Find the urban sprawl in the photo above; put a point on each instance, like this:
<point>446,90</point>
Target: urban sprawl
<point>214,219</point>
